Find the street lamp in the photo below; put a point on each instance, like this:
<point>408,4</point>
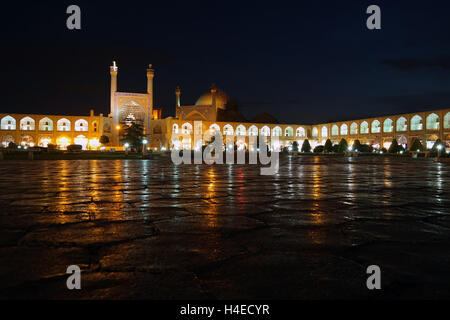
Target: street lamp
<point>144,146</point>
<point>439,147</point>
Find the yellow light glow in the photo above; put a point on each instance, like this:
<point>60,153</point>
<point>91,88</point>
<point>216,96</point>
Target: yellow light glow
<point>63,143</point>
<point>94,143</point>
<point>118,127</point>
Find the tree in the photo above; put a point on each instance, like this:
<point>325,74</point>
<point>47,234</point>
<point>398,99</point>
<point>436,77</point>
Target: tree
<point>132,133</point>
<point>357,145</point>
<point>306,147</point>
<point>336,148</point>
<point>394,148</point>
<point>319,149</point>
<point>104,140</point>
<point>436,144</point>
<point>365,148</point>
<point>343,146</point>
<point>416,145</point>
<point>295,146</point>
<point>75,148</point>
<point>328,148</point>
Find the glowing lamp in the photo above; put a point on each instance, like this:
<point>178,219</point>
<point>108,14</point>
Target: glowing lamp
<point>126,145</point>
<point>145,141</point>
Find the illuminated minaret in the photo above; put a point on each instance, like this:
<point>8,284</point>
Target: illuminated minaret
<point>150,76</point>
<point>177,101</point>
<point>178,95</point>
<point>113,71</point>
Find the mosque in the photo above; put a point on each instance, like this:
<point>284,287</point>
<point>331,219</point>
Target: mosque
<point>212,112</point>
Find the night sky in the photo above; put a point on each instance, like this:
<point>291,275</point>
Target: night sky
<point>305,62</point>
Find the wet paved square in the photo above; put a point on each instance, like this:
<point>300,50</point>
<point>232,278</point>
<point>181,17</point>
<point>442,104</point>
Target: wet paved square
<point>152,230</point>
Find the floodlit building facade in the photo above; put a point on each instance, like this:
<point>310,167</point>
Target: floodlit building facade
<point>193,124</point>
<point>61,131</point>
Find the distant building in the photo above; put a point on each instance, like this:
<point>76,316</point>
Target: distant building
<point>191,122</point>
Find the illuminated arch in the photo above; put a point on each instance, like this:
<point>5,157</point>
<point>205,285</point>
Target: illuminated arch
<point>187,128</point>
<point>81,125</point>
<point>175,128</point>
<point>6,140</point>
<point>214,128</point>
<point>45,141</point>
<point>324,132</point>
<point>315,132</point>
<point>433,122</point>
<point>402,124</point>
<point>289,132</point>
<point>265,131</point>
<point>388,125</point>
<point>344,130</point>
<point>253,131</point>
<point>301,132</point>
<point>63,142</point>
<point>416,123</point>
<point>82,141</point>
<point>376,126</point>
<point>447,121</point>
<point>354,128</point>
<point>46,124</point>
<point>228,130</point>
<point>63,125</point>
<point>8,123</point>
<point>27,141</point>
<point>364,128</point>
<point>27,124</point>
<point>240,130</point>
<point>277,132</point>
<point>131,112</point>
<point>334,130</point>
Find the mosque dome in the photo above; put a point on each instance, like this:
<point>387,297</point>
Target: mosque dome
<point>206,99</point>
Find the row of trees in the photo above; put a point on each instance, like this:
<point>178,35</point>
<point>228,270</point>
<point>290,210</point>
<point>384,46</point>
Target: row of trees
<point>358,147</point>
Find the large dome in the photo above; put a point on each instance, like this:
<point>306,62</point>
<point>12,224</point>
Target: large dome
<point>206,99</point>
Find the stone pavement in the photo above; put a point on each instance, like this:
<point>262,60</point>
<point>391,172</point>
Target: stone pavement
<point>152,230</point>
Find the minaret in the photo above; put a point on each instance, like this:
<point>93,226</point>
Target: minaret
<point>177,101</point>
<point>213,95</point>
<point>113,70</point>
<point>150,76</point>
<point>178,95</point>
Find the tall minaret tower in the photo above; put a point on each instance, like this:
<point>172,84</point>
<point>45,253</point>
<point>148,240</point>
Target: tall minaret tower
<point>178,96</point>
<point>150,76</point>
<point>113,70</point>
<point>177,101</point>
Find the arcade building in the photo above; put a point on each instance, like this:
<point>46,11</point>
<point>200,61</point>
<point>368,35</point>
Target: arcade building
<point>210,114</point>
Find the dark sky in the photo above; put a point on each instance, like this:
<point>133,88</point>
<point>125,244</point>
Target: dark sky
<point>304,62</point>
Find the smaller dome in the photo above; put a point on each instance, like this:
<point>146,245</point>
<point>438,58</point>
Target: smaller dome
<point>206,99</point>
